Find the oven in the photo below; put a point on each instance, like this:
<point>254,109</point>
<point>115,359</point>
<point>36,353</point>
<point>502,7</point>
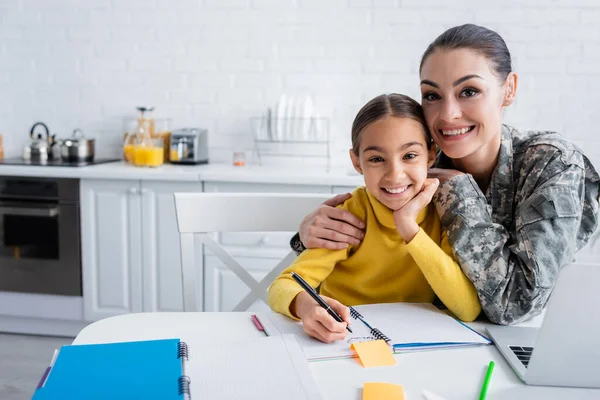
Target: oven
<point>40,249</point>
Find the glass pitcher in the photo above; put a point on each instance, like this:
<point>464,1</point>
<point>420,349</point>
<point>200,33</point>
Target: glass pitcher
<point>138,134</point>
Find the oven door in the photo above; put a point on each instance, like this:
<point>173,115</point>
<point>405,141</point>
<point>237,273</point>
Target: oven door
<point>39,248</point>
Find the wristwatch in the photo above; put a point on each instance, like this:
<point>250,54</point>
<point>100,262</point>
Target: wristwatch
<point>296,244</point>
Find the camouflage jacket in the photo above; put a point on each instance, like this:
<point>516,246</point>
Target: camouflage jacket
<point>540,208</point>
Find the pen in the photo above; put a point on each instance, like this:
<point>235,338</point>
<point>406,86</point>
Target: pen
<point>309,289</point>
<point>486,382</point>
<point>47,371</point>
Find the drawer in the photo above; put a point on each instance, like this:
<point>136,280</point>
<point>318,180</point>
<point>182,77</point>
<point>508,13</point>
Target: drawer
<point>254,252</point>
<point>343,189</point>
<point>239,187</point>
<point>256,239</point>
<point>223,289</point>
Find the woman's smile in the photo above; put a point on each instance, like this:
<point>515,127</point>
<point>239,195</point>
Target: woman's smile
<point>456,133</point>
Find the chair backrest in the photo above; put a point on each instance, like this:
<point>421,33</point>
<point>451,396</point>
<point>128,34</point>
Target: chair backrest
<point>200,214</point>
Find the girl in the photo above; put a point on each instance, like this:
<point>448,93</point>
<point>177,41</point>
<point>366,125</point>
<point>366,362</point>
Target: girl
<point>404,255</point>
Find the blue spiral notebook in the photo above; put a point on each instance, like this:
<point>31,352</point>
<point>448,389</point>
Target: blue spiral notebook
<point>131,370</point>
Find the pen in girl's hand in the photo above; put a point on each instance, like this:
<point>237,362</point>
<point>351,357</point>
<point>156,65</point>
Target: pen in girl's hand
<point>312,292</point>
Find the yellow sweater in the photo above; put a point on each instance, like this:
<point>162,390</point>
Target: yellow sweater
<point>383,268</point>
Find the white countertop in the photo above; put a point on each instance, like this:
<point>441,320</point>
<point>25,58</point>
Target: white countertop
<point>208,173</point>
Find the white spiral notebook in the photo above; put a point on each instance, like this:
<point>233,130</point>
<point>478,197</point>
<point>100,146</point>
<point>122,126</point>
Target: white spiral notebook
<point>406,327</point>
<point>265,369</point>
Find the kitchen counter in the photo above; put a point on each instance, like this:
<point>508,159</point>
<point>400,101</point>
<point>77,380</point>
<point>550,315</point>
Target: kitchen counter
<point>277,174</point>
<point>193,173</point>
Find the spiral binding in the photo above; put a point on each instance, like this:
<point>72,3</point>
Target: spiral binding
<point>183,385</point>
<point>355,314</point>
<point>377,334</point>
<point>182,350</point>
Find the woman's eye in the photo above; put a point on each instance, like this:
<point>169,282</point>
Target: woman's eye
<point>409,156</point>
<point>375,159</point>
<point>468,92</point>
<point>430,96</point>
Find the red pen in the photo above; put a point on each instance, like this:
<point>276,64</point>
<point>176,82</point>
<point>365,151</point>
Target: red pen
<point>257,323</point>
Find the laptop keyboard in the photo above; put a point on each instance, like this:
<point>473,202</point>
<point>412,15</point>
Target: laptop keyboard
<point>522,353</point>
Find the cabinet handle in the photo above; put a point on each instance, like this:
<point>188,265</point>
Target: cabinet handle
<point>143,191</point>
<point>264,240</point>
<point>133,190</point>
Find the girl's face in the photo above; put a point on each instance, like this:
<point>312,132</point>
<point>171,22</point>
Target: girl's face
<point>462,99</point>
<point>393,157</point>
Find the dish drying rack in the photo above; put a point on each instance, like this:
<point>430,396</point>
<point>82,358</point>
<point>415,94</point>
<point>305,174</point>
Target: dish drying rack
<point>292,137</point>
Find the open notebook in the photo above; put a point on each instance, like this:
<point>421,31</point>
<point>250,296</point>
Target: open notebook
<point>404,326</point>
<point>268,369</point>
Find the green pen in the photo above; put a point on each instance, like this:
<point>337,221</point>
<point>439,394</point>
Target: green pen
<point>486,382</point>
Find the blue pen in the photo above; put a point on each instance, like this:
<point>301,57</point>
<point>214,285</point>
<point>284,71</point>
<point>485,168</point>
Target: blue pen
<point>313,293</point>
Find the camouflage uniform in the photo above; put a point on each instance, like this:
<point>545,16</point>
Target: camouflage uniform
<point>540,208</point>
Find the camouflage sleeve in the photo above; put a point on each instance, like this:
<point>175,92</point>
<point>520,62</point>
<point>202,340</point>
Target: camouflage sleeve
<point>296,244</point>
<point>514,273</point>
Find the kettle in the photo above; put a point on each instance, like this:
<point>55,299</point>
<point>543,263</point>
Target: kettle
<point>38,147</point>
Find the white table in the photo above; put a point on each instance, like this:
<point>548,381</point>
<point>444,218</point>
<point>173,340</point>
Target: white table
<point>451,373</point>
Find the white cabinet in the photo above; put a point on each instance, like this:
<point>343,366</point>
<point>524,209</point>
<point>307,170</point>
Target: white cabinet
<point>161,255</point>
<point>130,247</point>
<point>111,248</point>
<point>257,252</point>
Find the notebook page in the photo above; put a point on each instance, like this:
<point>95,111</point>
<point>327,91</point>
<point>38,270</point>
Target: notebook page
<point>270,368</point>
<point>419,323</point>
<point>278,324</point>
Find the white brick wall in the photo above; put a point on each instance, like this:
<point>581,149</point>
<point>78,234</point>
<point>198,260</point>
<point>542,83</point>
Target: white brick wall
<point>216,63</point>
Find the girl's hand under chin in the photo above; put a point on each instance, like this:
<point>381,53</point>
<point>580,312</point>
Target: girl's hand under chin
<point>405,218</point>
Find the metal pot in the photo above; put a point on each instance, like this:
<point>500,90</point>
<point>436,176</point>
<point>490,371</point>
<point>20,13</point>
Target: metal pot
<point>77,148</point>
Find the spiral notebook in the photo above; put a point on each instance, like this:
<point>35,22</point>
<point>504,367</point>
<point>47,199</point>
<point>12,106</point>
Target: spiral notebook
<point>406,327</point>
<point>130,370</point>
<point>171,369</point>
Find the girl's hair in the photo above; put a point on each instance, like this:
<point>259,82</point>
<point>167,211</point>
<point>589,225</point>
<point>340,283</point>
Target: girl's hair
<point>479,39</point>
<point>393,105</point>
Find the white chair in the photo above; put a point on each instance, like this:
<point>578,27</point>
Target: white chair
<point>200,214</point>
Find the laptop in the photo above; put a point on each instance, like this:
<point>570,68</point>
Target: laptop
<point>565,350</point>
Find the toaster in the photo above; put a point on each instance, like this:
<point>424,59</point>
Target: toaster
<point>189,146</point>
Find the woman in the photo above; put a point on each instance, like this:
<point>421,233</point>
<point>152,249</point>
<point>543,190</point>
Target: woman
<point>516,205</point>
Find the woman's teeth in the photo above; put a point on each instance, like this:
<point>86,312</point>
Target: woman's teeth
<point>396,190</point>
<point>455,132</point>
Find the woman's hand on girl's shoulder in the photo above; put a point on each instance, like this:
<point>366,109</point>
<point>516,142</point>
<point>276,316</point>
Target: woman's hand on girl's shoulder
<point>443,174</point>
<point>331,228</point>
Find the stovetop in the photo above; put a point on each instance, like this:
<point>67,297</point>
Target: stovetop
<point>55,162</point>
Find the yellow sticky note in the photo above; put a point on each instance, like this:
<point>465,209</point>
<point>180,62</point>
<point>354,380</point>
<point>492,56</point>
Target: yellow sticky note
<point>382,391</point>
<point>375,353</point>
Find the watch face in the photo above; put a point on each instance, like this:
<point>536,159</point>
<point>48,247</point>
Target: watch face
<point>296,244</point>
